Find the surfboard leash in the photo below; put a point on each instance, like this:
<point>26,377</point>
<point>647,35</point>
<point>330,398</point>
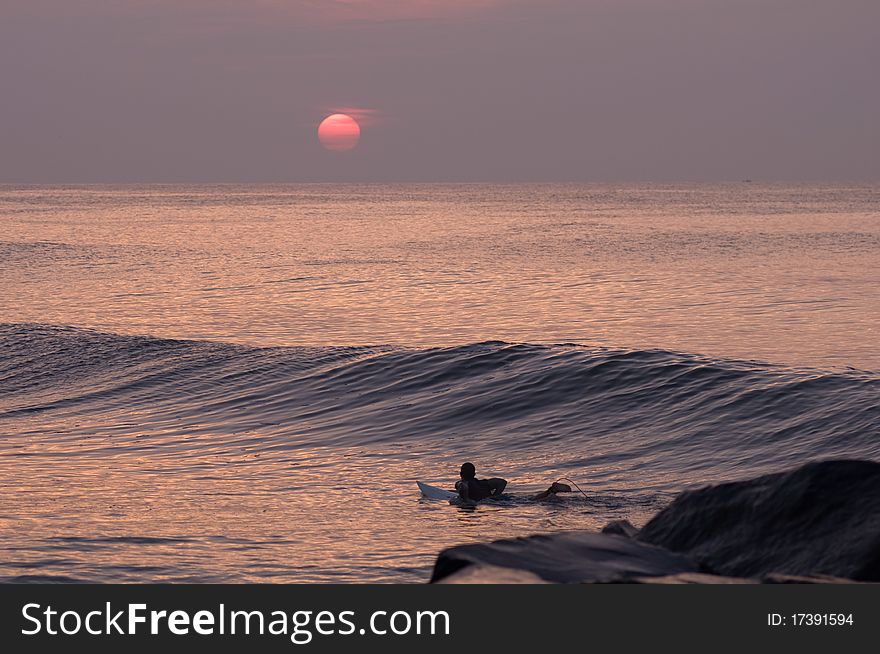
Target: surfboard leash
<point>574,484</point>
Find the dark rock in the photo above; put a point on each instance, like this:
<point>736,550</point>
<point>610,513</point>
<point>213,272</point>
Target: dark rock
<point>620,528</point>
<point>569,557</point>
<point>820,519</point>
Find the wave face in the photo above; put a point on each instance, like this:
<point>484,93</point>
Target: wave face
<point>633,425</point>
<point>641,405</point>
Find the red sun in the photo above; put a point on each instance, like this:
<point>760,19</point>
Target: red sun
<point>339,132</point>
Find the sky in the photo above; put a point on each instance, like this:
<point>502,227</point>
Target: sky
<point>95,91</point>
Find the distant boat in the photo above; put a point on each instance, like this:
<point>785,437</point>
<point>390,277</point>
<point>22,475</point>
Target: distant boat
<point>747,181</point>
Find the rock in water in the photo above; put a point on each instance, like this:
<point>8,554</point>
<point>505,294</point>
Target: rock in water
<point>820,519</point>
<point>620,528</point>
<point>569,557</point>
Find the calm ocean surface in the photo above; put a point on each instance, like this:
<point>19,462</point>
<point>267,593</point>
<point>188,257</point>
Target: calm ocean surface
<point>242,383</point>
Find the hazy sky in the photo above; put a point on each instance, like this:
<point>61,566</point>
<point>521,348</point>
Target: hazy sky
<point>471,90</point>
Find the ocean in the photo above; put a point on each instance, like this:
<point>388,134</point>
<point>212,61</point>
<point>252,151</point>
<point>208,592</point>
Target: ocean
<point>221,383</point>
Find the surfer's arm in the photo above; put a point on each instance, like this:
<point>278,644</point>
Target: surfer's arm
<point>462,489</point>
<point>497,484</point>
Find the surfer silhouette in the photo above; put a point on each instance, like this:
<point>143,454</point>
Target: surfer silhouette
<point>471,489</point>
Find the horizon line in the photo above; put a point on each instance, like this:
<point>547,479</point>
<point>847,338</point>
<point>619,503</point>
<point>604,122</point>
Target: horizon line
<point>444,181</point>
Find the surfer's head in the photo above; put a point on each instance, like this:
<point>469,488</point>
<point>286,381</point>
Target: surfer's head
<point>468,471</point>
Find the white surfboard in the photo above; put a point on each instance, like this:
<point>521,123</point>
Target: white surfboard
<point>434,493</point>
